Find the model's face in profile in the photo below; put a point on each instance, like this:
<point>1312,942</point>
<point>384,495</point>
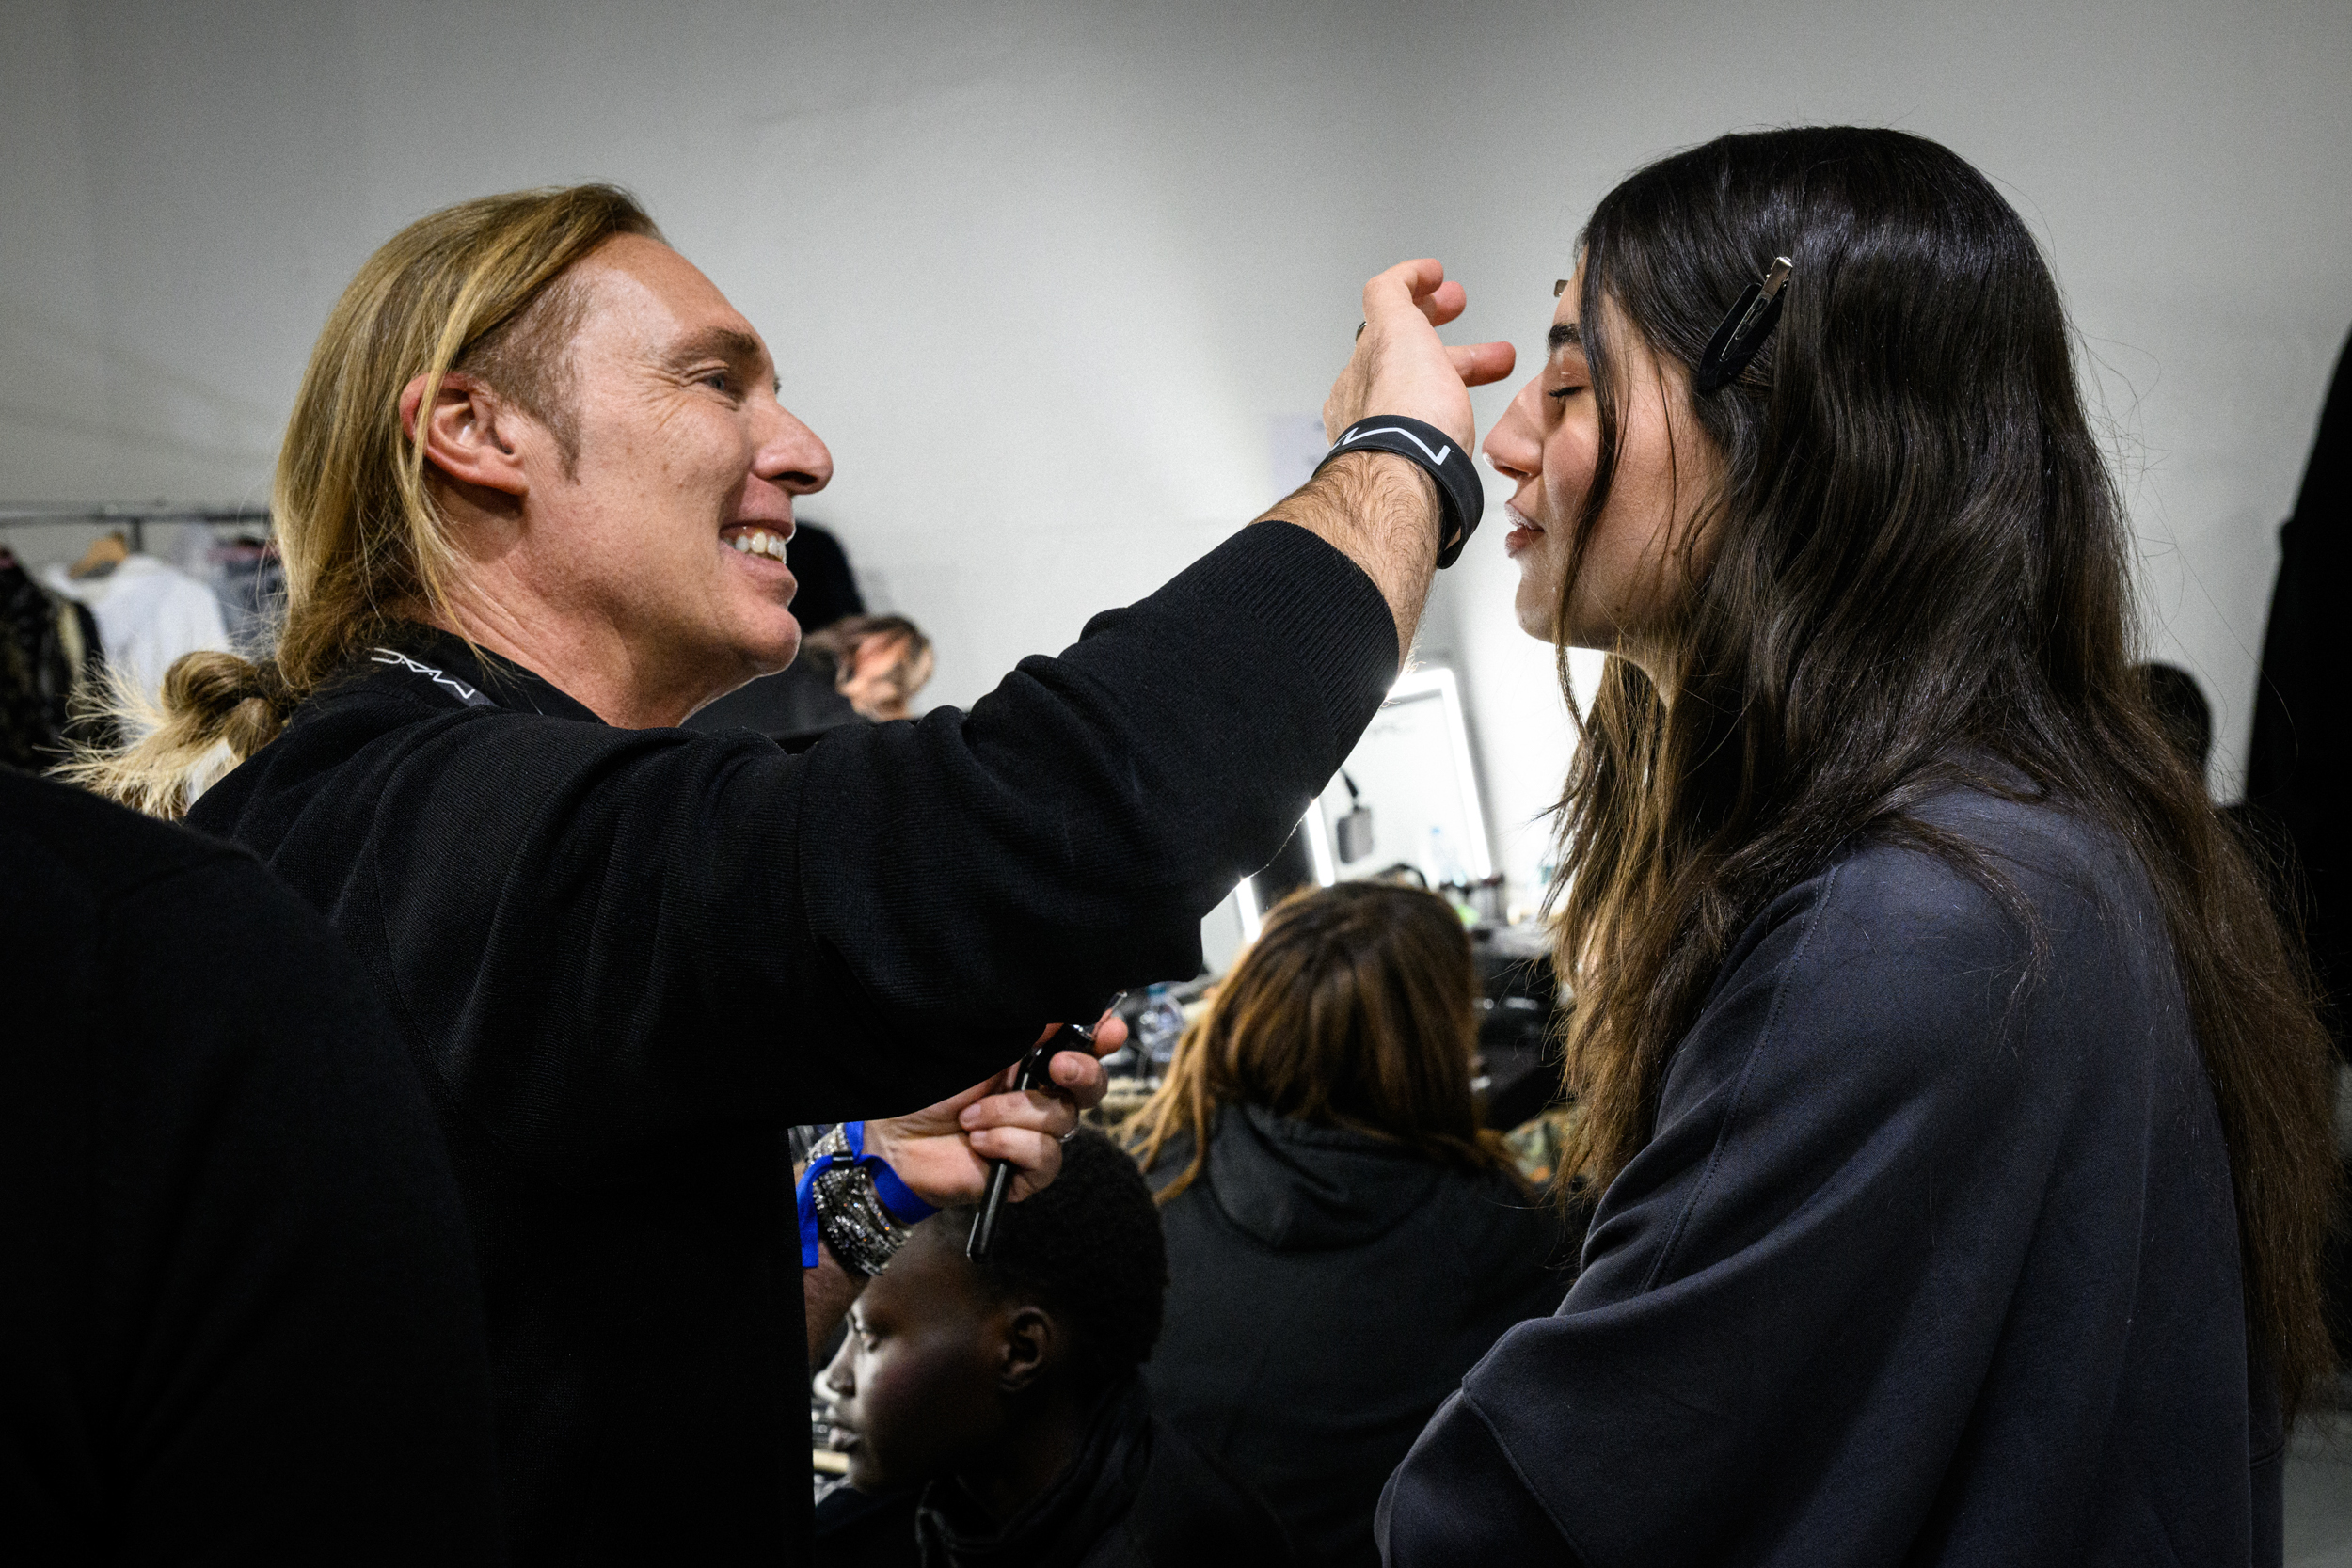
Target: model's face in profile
<point>1634,570</point>
<point>916,1387</point>
<point>673,521</point>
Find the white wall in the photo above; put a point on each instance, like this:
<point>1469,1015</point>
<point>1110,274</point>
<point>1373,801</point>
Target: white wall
<point>1042,274</point>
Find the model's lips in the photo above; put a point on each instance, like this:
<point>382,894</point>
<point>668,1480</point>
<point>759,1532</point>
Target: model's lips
<point>841,1439</point>
<point>1524,533</point>
<point>762,539</point>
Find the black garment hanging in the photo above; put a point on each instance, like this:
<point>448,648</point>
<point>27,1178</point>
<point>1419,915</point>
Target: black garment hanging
<point>2295,776</point>
<point>50,668</point>
<point>828,591</point>
<point>797,704</point>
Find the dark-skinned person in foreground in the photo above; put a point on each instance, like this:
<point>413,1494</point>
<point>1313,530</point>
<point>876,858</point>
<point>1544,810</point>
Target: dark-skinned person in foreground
<point>533,501</point>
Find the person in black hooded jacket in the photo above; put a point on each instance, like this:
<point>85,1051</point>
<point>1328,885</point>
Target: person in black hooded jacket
<point>1343,1242</point>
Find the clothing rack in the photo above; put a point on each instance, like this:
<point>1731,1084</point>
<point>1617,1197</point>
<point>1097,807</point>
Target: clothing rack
<point>132,518</point>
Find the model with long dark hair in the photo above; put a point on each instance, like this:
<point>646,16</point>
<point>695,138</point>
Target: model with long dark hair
<point>1960,1108</point>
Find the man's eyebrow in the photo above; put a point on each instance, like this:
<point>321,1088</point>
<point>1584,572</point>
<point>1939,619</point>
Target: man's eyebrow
<point>1566,335</point>
<point>717,342</point>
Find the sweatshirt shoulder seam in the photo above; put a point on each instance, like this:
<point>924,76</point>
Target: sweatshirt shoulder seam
<point>1756,1049</point>
<point>1519,1474</point>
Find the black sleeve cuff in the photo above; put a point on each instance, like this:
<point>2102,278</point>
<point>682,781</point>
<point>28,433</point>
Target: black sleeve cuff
<point>1316,600</point>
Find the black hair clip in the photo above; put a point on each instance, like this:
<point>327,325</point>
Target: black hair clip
<point>1744,329</point>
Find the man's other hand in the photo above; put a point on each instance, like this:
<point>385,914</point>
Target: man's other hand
<point>942,1152</point>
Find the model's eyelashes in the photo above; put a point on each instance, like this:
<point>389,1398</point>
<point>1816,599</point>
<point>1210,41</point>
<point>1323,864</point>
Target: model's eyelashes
<point>1566,392</point>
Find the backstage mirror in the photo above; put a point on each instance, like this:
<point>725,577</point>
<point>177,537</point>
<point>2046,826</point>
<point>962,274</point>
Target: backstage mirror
<point>1407,795</point>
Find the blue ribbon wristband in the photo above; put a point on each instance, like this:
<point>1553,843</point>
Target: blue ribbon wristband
<point>898,1199</point>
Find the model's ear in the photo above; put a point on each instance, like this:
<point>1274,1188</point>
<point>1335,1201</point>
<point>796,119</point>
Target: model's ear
<point>470,433</point>
<point>1033,1344</point>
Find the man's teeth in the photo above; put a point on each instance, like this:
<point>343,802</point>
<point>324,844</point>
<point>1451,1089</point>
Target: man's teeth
<point>760,542</point>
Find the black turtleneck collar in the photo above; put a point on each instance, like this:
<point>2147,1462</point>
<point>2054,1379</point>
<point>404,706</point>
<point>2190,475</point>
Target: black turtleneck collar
<point>454,671</point>
<point>1061,1526</point>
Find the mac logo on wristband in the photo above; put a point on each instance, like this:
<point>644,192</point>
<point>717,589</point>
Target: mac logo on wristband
<point>1460,495</point>
<point>1438,456</point>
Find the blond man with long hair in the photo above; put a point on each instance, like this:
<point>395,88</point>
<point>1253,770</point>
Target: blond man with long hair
<point>533,502</point>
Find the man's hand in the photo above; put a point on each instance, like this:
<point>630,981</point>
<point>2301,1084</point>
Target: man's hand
<point>942,1152</point>
<point>1398,365</point>
<point>1379,509</point>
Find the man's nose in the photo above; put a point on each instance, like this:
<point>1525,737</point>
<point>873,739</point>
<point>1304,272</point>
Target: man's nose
<point>1514,444</point>
<point>790,455</point>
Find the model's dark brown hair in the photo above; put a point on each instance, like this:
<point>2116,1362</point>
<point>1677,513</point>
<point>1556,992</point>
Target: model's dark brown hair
<point>1916,572</point>
<point>1355,1007</point>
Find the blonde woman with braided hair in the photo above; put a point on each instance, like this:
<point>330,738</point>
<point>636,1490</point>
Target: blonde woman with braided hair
<point>533,502</point>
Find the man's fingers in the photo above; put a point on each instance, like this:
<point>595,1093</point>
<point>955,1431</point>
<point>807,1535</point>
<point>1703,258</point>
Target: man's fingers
<point>1032,1108</point>
<point>1409,286</point>
<point>1418,277</point>
<point>1110,1032</point>
<point>1444,303</point>
<point>1080,1076</point>
<point>1480,363</point>
<point>1036,1156</point>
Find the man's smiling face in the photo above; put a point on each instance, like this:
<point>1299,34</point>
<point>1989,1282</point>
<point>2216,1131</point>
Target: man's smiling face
<point>670,527</point>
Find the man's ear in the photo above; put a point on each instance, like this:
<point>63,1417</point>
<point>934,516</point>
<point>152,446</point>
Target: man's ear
<point>470,433</point>
<point>1033,1345</point>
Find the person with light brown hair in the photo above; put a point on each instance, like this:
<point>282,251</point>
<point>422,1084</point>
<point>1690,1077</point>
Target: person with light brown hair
<point>533,502</point>
<point>879,662</point>
<point>1343,1240</point>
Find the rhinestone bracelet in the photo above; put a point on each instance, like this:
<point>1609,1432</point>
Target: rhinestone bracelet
<point>849,1215</point>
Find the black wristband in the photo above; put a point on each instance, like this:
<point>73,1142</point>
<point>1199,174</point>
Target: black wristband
<point>1461,500</point>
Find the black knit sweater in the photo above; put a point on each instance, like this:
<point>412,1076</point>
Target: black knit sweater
<point>590,934</point>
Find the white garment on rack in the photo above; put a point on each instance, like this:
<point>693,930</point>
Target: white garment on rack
<point>148,613</point>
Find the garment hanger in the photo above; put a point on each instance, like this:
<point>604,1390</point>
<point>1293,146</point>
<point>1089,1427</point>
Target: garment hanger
<point>102,556</point>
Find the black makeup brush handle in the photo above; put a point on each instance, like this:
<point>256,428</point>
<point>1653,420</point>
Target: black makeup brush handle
<point>1034,1070</point>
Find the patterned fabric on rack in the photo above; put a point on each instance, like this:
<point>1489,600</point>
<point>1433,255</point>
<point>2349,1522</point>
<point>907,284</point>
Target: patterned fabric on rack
<point>50,669</point>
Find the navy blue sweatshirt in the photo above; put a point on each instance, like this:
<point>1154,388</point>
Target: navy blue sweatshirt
<point>628,959</point>
<point>1919,1267</point>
